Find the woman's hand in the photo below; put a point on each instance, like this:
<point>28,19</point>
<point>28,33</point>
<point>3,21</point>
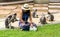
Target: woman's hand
<point>23,23</point>
<point>31,25</point>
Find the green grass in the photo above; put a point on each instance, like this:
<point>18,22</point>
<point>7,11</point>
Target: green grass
<point>44,31</point>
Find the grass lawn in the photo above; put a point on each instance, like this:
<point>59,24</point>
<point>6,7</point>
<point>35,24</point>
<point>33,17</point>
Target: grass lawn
<point>44,31</point>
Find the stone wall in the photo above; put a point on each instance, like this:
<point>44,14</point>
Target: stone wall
<point>46,1</point>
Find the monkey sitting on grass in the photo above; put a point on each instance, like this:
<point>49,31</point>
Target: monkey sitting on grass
<point>9,19</point>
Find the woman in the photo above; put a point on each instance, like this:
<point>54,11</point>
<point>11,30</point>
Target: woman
<point>24,15</point>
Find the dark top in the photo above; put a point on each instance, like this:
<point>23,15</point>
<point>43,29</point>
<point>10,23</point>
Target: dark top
<point>25,15</point>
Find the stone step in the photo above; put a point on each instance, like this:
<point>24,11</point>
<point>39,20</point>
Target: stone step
<point>40,5</point>
<point>41,8</point>
<point>54,3</point>
<point>54,6</point>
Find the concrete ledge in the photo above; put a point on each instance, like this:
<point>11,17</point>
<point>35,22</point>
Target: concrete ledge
<point>17,2</point>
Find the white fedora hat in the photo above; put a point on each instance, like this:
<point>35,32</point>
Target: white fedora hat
<point>26,7</point>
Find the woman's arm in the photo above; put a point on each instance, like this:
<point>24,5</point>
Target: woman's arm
<point>31,19</point>
<point>21,17</point>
